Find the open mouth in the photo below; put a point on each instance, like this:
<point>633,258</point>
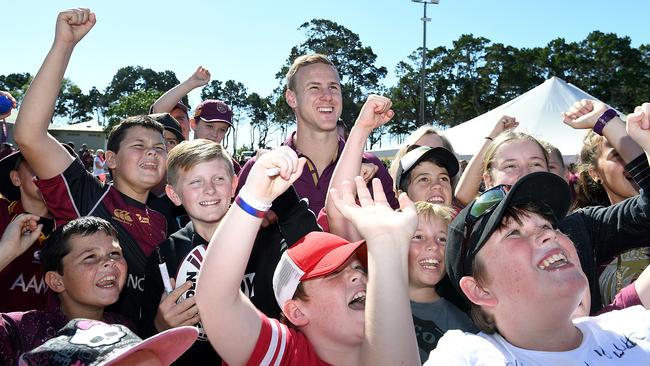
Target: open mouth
<point>326,109</point>
<point>149,165</point>
<point>209,203</point>
<point>107,282</point>
<point>436,199</point>
<point>429,264</point>
<point>552,262</point>
<point>358,301</point>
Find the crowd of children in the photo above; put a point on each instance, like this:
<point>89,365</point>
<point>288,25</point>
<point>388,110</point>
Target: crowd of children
<point>298,260</point>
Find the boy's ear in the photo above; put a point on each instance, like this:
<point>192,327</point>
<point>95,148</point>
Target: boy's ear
<point>290,96</point>
<point>487,179</point>
<point>54,281</point>
<point>109,159</point>
<point>233,191</point>
<point>293,311</point>
<point>476,293</point>
<point>15,179</point>
<point>171,193</point>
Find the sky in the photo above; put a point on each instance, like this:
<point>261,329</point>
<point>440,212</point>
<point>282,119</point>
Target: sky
<point>249,41</point>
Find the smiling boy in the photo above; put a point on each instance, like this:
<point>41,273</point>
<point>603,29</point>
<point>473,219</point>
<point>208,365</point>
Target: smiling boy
<point>338,314</point>
<point>85,268</point>
<point>135,154</point>
<point>201,178</point>
<point>524,280</point>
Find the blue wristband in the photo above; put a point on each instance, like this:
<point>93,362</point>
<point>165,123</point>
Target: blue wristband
<point>249,209</point>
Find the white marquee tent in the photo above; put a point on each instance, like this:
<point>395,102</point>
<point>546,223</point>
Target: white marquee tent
<point>539,114</point>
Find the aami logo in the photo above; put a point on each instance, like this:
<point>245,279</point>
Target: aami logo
<point>37,285</point>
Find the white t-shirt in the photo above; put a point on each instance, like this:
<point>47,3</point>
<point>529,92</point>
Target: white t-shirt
<point>616,338</point>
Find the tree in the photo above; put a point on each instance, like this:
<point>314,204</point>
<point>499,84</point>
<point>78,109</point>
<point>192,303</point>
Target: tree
<point>132,79</point>
<point>16,84</point>
<point>258,110</point>
<point>356,64</point>
<point>79,104</point>
<point>130,105</point>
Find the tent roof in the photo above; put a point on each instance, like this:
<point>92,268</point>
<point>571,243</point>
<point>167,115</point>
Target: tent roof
<point>538,112</point>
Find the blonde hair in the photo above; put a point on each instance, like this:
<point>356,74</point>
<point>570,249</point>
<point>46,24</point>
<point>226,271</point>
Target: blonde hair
<point>430,211</point>
<point>304,60</point>
<point>588,191</point>
<point>505,137</point>
<point>188,154</point>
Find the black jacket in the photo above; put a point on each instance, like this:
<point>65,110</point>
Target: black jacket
<point>600,233</point>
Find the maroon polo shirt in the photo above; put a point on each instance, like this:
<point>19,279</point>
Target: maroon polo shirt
<point>314,186</point>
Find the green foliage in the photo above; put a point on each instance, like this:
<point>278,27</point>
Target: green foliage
<point>468,78</point>
<point>130,105</point>
<point>259,110</point>
<point>132,79</point>
<point>355,63</point>
<point>476,75</point>
<point>16,84</point>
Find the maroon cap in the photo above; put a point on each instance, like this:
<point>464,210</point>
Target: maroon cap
<point>213,110</point>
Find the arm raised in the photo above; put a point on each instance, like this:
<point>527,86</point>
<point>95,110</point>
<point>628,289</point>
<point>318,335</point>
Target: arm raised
<point>389,332</point>
<point>230,319</point>
<point>45,155</point>
<point>374,113</point>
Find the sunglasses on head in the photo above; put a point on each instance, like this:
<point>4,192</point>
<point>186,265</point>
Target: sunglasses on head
<point>483,205</point>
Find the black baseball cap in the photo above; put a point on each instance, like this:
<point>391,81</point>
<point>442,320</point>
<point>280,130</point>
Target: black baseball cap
<point>541,188</point>
<point>417,154</point>
<point>170,124</point>
<point>9,163</point>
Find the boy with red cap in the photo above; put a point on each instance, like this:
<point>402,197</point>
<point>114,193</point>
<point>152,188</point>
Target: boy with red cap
<point>320,283</point>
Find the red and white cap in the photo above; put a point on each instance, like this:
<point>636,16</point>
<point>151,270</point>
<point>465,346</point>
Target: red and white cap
<point>316,254</point>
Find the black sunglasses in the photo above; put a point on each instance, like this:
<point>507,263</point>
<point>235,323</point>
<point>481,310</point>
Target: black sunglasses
<point>482,205</point>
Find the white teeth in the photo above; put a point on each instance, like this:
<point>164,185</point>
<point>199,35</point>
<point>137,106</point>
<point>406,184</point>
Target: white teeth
<point>359,296</point>
<point>208,203</point>
<point>149,165</point>
<point>436,200</point>
<point>108,281</point>
<point>429,263</point>
<point>325,109</point>
<point>559,257</point>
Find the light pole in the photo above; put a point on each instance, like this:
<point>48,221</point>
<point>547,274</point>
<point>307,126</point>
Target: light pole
<point>424,53</point>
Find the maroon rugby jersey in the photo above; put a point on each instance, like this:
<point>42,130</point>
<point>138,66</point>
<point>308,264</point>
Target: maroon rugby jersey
<point>76,192</point>
<point>22,283</point>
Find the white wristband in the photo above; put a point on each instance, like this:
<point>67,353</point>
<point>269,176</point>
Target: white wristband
<point>252,201</point>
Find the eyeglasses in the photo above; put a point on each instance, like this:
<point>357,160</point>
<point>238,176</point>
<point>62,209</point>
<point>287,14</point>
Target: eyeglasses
<point>483,205</point>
